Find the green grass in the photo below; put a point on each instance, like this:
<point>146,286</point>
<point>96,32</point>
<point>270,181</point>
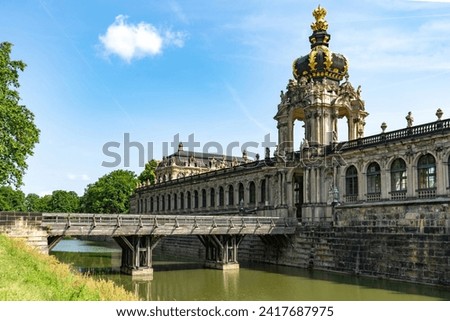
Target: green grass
<point>26,275</point>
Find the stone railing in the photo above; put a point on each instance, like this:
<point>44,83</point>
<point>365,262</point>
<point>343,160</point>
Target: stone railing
<point>9,219</point>
<point>439,126</point>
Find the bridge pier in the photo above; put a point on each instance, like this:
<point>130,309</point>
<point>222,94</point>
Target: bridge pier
<point>137,254</point>
<point>221,251</point>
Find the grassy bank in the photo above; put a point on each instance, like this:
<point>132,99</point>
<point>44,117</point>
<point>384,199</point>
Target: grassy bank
<point>26,275</point>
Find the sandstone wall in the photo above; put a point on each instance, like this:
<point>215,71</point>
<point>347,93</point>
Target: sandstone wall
<point>401,242</point>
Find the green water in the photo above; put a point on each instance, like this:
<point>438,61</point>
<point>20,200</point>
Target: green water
<point>182,281</point>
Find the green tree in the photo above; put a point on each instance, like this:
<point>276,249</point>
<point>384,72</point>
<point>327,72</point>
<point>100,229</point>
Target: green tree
<point>18,133</point>
<point>11,199</point>
<point>110,194</point>
<point>32,202</point>
<point>65,202</point>
<point>45,204</point>
<point>148,174</point>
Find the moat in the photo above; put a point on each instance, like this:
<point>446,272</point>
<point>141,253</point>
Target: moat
<point>176,280</point>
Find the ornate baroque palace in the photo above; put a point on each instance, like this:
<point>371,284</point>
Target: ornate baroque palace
<point>375,205</point>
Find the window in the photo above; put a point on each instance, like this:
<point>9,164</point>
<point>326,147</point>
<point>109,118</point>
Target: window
<point>212,201</point>
<point>230,195</point>
<point>373,179</point>
<point>351,182</point>
<point>169,202</point>
<point>252,193</point>
<point>157,203</point>
<point>189,200</point>
<point>398,176</point>
<point>151,204</point>
<point>426,172</point>
<point>221,196</point>
<point>182,201</point>
<point>448,170</point>
<point>241,194</point>
<point>203,197</point>
<point>175,201</point>
<point>263,191</point>
<point>195,199</point>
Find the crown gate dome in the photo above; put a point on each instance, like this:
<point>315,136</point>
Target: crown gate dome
<point>320,63</point>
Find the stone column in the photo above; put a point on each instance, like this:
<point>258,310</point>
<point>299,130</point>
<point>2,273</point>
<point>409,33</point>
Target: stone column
<point>440,176</point>
<point>306,186</point>
<point>385,183</point>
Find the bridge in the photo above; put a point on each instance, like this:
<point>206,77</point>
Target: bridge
<point>138,235</point>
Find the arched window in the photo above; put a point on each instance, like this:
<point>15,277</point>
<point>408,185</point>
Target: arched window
<point>241,194</point>
<point>163,203</point>
<point>181,201</point>
<point>351,184</point>
<point>157,203</point>
<point>195,199</point>
<point>175,201</point>
<point>263,191</point>
<point>151,204</point>
<point>448,170</point>
<point>203,197</point>
<point>189,200</point>
<point>169,202</point>
<point>212,198</point>
<point>398,176</point>
<point>426,172</point>
<point>252,193</point>
<point>221,196</point>
<point>373,178</point>
<point>230,195</point>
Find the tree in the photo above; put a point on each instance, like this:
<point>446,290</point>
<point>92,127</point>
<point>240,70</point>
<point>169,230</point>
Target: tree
<point>148,174</point>
<point>65,202</point>
<point>32,201</point>
<point>45,204</point>
<point>18,133</point>
<point>110,194</point>
<point>11,199</point>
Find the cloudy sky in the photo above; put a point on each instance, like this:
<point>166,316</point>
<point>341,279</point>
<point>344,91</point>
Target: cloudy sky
<point>112,82</point>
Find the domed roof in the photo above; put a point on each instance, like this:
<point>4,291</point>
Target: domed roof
<point>320,62</point>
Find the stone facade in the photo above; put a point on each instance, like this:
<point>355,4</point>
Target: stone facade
<point>25,226</point>
<point>361,204</point>
<point>251,187</point>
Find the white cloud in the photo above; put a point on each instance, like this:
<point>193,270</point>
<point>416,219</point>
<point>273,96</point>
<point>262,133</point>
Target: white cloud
<point>420,47</point>
<point>71,176</point>
<point>74,177</point>
<point>441,1</point>
<point>43,193</point>
<point>178,11</point>
<point>130,41</point>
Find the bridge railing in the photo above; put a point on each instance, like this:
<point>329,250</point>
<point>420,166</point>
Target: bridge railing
<point>157,220</point>
<point>12,218</point>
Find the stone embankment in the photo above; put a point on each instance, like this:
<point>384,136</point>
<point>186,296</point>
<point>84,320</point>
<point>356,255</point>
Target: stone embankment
<point>24,226</point>
<point>397,243</point>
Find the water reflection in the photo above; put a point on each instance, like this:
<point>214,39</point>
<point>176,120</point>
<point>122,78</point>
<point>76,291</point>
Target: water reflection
<point>174,280</point>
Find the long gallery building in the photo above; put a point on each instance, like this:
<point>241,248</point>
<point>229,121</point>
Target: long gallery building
<point>375,206</point>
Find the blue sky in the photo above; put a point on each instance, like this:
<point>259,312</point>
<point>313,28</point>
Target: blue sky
<point>100,70</point>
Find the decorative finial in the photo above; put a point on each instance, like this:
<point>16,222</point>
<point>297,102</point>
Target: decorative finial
<point>320,24</point>
<point>439,113</point>
<point>383,126</point>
